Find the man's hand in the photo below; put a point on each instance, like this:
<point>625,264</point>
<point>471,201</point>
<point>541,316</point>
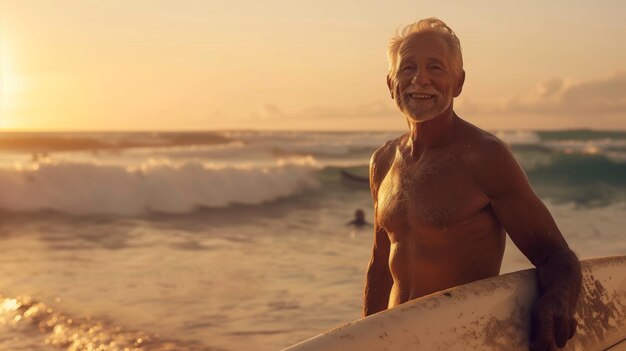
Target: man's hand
<point>553,323</point>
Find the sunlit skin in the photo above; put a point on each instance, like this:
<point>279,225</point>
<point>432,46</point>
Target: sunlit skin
<point>421,102</point>
<point>445,195</point>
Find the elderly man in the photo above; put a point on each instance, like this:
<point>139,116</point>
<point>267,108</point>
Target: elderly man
<point>445,193</point>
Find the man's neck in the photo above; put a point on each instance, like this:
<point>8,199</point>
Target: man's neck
<point>433,133</point>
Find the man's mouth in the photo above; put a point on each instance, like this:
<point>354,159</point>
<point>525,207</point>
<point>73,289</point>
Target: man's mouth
<point>421,96</point>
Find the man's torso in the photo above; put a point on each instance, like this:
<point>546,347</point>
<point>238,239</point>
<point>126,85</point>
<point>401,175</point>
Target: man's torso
<point>441,227</point>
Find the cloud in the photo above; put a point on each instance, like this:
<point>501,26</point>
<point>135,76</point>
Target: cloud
<point>600,97</point>
<point>551,88</point>
<point>265,112</point>
<point>608,95</point>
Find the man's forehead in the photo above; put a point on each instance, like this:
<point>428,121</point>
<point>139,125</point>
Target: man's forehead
<point>424,44</point>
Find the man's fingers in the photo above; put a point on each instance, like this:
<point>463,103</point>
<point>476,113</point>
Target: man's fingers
<point>543,333</point>
<point>539,345</point>
<point>572,325</point>
<point>543,344</point>
<point>552,333</point>
<point>543,330</point>
<point>561,331</point>
<point>564,329</point>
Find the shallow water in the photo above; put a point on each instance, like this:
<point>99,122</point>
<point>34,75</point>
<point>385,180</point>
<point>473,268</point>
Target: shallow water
<point>265,283</point>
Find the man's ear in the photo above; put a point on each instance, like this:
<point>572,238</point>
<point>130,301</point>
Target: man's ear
<point>390,86</point>
<point>459,87</point>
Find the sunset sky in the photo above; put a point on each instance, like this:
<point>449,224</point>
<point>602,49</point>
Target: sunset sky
<point>291,64</point>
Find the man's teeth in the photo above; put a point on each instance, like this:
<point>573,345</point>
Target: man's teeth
<point>420,96</point>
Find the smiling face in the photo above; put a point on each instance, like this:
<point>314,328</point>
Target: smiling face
<point>425,83</point>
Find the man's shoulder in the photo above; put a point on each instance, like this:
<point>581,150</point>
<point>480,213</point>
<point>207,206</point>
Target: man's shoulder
<point>386,151</point>
<point>491,162</point>
<point>480,145</point>
<point>382,159</point>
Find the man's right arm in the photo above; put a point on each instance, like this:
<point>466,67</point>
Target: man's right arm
<point>378,281</point>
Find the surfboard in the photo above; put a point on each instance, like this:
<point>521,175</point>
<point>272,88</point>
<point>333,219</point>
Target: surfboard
<point>490,314</point>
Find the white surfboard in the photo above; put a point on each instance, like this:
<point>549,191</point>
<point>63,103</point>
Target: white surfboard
<point>490,314</point>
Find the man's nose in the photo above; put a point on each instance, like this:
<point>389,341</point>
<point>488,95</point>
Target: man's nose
<point>420,79</point>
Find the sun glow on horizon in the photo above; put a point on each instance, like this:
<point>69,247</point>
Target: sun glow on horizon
<point>3,74</point>
<point>10,85</point>
<point>4,83</point>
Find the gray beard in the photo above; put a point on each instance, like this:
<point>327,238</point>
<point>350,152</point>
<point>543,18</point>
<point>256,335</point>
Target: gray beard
<point>417,115</point>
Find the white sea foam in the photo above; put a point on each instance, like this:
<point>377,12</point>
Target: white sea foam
<point>613,149</point>
<point>86,188</point>
<point>518,137</point>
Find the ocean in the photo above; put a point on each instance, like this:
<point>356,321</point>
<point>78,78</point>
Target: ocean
<point>231,240</point>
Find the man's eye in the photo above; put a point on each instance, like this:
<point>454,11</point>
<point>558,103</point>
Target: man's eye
<point>439,68</point>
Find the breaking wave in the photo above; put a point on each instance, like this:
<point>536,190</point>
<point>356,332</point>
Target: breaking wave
<point>87,188</point>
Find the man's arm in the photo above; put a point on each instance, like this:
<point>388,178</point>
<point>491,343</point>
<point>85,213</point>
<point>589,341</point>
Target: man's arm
<point>533,230</point>
<point>378,279</point>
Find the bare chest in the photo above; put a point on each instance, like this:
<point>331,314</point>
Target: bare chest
<point>433,193</point>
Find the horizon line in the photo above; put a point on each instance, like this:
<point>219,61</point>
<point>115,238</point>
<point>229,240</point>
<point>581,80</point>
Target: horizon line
<point>277,130</point>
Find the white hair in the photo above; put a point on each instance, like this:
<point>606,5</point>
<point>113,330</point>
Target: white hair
<point>431,25</point>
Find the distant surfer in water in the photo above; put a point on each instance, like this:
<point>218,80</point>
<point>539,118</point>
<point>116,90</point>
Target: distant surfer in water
<point>446,192</point>
<point>359,219</point>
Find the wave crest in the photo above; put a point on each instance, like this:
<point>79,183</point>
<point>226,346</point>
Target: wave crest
<point>157,186</point>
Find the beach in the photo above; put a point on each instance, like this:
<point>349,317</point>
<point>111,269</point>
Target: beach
<point>231,240</point>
